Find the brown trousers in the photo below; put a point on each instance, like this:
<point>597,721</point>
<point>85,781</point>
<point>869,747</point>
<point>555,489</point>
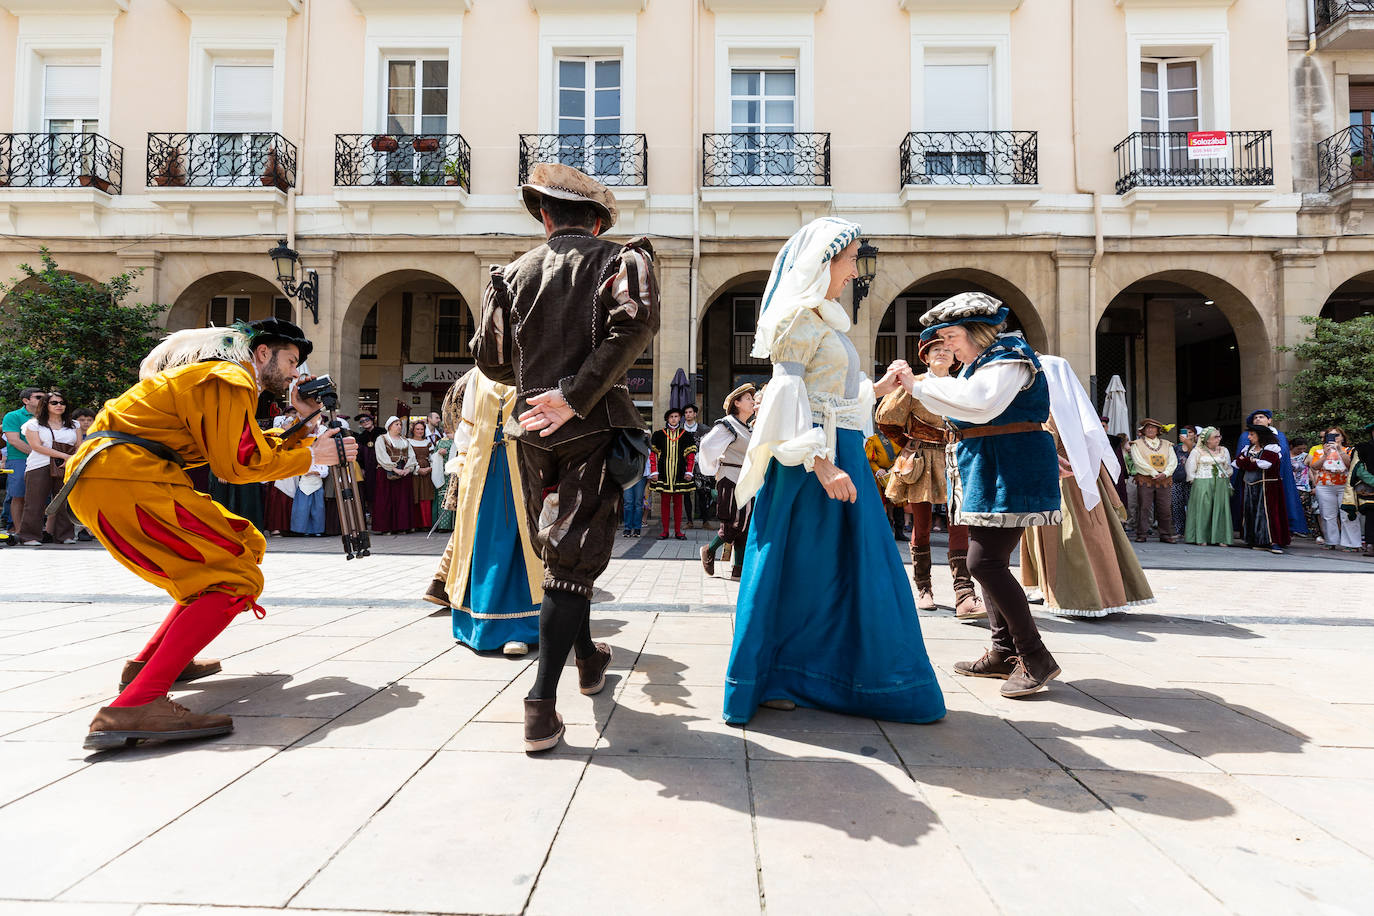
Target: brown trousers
<point>1161,501</point>
<point>39,487</point>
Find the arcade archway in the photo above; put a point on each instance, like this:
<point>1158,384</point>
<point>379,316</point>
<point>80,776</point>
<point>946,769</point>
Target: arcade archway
<point>219,299</point>
<point>726,337</point>
<point>1352,299</point>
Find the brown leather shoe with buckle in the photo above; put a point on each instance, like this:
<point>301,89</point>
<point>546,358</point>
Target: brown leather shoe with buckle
<point>435,594</point>
<point>162,719</point>
<point>591,671</point>
<point>543,725</point>
<point>708,562</point>
<point>992,664</point>
<point>197,669</point>
<point>1031,678</point>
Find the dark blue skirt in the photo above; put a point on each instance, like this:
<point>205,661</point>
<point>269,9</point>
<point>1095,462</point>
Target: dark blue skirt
<point>826,616</point>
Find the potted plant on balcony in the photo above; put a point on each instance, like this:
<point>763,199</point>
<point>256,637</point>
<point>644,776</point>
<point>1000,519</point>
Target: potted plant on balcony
<point>398,177</point>
<point>169,172</point>
<point>273,175</point>
<point>455,172</point>
<point>425,144</point>
<point>91,180</point>
<point>385,144</point>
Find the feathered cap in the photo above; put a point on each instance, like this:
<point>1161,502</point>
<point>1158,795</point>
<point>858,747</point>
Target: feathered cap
<point>234,344</point>
<point>276,331</point>
<point>965,308</point>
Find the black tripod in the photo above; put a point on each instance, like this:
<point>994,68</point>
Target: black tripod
<point>352,526</point>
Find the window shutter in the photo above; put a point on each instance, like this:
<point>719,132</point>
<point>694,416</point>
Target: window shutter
<point>1361,96</point>
<point>242,100</point>
<point>956,97</point>
<point>71,93</point>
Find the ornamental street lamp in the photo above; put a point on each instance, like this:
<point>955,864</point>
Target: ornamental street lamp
<point>307,290</point>
<point>868,269</point>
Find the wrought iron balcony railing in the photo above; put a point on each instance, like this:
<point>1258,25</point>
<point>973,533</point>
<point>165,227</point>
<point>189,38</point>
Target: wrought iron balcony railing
<point>221,160</point>
<point>1161,159</point>
<point>765,160</point>
<point>366,160</point>
<point>1346,156</point>
<point>1329,12</point>
<point>61,161</point>
<point>619,160</point>
<point>973,157</point>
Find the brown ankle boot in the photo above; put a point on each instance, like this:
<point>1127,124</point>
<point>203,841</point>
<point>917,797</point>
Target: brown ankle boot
<point>967,605</point>
<point>591,671</point>
<point>436,594</point>
<point>198,668</point>
<point>708,562</point>
<point>543,725</point>
<point>118,726</point>
<point>1032,674</point>
<point>992,664</point>
<point>920,574</point>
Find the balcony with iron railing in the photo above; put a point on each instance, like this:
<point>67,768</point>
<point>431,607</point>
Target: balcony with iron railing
<point>982,157</point>
<point>1344,25</point>
<point>1162,159</point>
<point>766,160</point>
<point>615,160</point>
<point>1346,158</point>
<point>61,160</point>
<point>221,160</point>
<point>410,160</point>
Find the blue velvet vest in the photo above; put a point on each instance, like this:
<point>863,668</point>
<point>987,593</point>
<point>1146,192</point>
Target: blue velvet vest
<point>1009,480</point>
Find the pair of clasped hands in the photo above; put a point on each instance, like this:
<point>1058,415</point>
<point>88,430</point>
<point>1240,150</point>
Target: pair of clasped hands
<point>323,451</point>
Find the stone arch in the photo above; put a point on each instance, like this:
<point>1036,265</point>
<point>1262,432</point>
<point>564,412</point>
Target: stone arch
<point>720,356</point>
<point>187,306</point>
<point>1025,312</point>
<point>31,283</point>
<point>1350,299</point>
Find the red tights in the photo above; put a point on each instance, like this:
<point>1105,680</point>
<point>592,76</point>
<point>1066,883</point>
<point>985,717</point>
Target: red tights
<point>673,501</point>
<point>920,529</point>
<point>187,629</point>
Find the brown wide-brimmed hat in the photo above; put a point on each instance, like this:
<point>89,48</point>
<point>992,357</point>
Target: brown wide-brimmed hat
<point>554,179</point>
<point>1149,422</point>
<point>746,388</point>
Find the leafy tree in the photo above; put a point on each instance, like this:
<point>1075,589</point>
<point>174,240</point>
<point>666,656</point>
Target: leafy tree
<point>72,335</point>
<point>1335,386</point>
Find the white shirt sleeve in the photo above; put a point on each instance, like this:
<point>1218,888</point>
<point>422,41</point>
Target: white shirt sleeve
<point>981,398</point>
<point>783,431</point>
<point>710,449</point>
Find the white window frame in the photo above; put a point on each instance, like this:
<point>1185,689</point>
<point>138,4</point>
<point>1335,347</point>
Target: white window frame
<point>587,34</point>
<point>72,39</point>
<point>766,41</point>
<point>588,90</point>
<point>419,59</point>
<point>234,40</point>
<point>1163,90</point>
<point>951,35</point>
<point>419,35</point>
<point>1180,31</point>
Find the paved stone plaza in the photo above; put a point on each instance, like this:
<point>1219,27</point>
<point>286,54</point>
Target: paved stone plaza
<point>1212,754</point>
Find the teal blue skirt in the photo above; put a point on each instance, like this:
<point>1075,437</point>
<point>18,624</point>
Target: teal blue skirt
<point>825,616</point>
<point>496,606</point>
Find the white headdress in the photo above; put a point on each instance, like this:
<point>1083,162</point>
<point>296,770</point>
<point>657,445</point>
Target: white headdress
<point>801,278</point>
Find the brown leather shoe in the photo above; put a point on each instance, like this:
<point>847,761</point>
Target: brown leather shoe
<point>1033,677</point>
<point>543,725</point>
<point>591,671</point>
<point>197,669</point>
<point>435,594</point>
<point>708,562</point>
<point>162,719</point>
<point>969,607</point>
<point>992,664</point>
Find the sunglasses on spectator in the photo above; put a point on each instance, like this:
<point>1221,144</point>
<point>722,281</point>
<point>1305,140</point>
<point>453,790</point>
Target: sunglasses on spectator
<point>56,403</point>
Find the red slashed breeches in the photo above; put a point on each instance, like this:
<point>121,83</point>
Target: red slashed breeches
<point>203,555</point>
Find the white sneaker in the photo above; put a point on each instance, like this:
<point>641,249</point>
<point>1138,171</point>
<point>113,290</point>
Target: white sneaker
<point>515,649</point>
<point>69,541</point>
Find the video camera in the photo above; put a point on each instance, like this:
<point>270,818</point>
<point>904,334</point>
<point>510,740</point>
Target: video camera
<point>322,389</point>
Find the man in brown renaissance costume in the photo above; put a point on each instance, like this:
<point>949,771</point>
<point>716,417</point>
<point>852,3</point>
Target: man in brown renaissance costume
<point>563,323</point>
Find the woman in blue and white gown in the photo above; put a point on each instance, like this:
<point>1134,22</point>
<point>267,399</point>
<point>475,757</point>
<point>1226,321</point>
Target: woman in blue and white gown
<point>825,616</point>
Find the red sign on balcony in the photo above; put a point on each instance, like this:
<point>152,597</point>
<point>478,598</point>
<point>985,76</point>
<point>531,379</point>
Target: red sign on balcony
<point>1207,144</point>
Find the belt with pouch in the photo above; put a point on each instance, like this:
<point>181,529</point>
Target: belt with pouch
<point>954,434</point>
<point>111,437</point>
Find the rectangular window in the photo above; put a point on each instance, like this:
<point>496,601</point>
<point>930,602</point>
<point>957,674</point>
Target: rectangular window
<point>71,107</point>
<point>588,113</point>
<point>452,331</point>
<point>281,308</point>
<point>416,103</point>
<point>223,307</point>
<point>763,102</point>
<point>744,322</point>
<point>367,344</point>
<point>241,114</point>
<point>1169,100</point>
<point>367,400</point>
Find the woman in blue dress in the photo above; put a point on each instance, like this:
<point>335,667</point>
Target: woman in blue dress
<point>489,575</point>
<point>1003,471</point>
<point>825,616</point>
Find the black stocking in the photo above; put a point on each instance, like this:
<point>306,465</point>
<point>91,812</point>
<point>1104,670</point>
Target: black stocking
<point>564,624</point>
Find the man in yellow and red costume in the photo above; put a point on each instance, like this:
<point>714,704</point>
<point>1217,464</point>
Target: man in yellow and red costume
<point>195,403</point>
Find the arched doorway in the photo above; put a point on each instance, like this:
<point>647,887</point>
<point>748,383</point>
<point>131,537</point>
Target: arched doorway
<point>405,339</point>
<point>220,299</point>
<point>1353,298</point>
<point>1189,348</point>
<point>726,337</point>
<point>899,331</point>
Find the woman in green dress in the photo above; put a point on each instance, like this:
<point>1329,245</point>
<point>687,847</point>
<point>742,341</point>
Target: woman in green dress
<point>1209,502</point>
<point>443,517</point>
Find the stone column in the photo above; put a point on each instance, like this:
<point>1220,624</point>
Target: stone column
<point>327,337</point>
<point>1161,394</point>
<point>147,283</point>
<point>671,346</point>
<point>1075,323</point>
<point>1297,297</point>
